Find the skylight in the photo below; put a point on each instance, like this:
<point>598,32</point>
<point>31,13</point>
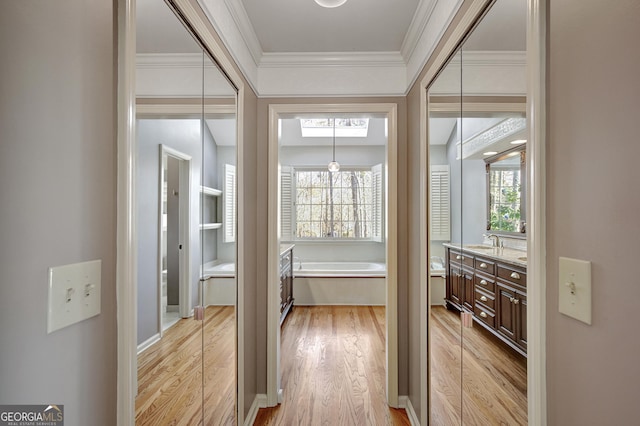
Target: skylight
<point>345,127</point>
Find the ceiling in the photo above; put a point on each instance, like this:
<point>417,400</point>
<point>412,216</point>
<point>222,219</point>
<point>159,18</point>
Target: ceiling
<point>356,26</point>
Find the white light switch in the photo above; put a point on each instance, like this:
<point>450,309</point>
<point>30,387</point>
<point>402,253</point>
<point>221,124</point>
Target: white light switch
<point>575,289</point>
<point>74,293</point>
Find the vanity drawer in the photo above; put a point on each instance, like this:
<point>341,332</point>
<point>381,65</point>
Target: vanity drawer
<point>512,275</point>
<point>488,300</point>
<point>484,283</point>
<point>485,315</point>
<point>485,265</point>
<point>461,258</point>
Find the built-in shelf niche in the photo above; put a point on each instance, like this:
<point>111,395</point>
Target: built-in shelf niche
<point>211,220</point>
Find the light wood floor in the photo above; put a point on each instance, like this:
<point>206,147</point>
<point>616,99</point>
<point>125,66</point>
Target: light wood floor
<point>170,379</point>
<point>494,377</point>
<point>333,369</point>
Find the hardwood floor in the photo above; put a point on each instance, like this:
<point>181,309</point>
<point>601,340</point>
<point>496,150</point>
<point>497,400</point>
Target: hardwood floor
<point>494,377</point>
<point>170,380</point>
<point>333,369</point>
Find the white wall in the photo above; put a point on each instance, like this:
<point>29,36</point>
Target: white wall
<point>58,192</point>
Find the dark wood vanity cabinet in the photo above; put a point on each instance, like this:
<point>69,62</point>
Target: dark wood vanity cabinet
<point>495,292</point>
<point>286,283</point>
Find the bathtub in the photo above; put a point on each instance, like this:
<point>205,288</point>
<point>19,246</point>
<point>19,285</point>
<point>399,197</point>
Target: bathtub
<point>220,284</point>
<point>339,283</point>
<point>339,269</point>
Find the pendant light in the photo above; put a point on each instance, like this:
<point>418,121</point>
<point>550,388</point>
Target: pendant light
<point>334,166</point>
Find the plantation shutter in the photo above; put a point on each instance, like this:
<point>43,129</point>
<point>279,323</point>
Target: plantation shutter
<point>377,216</point>
<point>287,207</point>
<point>439,205</point>
<point>229,207</point>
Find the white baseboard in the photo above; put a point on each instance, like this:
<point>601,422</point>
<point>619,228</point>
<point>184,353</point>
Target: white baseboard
<point>148,343</point>
<point>260,401</point>
<point>405,402</point>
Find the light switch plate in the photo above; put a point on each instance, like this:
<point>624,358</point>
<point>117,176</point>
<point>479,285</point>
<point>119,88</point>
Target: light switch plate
<point>74,293</point>
<point>575,289</point>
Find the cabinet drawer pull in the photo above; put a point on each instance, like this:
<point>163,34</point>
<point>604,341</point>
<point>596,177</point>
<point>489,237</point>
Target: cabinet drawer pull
<point>483,265</point>
<point>515,275</point>
<point>483,282</point>
<point>516,301</point>
<point>483,314</point>
<point>511,299</point>
<point>483,298</point>
<point>458,257</point>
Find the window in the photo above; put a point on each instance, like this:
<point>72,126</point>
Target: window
<point>345,127</point>
<point>505,200</point>
<point>318,204</point>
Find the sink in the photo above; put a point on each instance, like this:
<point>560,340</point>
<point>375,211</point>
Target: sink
<point>523,258</point>
<point>478,247</point>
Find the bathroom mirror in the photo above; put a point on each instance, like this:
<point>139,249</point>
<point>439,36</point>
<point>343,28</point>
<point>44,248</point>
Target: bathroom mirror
<point>506,197</point>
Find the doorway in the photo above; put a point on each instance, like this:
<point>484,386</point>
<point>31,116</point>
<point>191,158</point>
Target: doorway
<point>174,243</point>
<point>277,112</point>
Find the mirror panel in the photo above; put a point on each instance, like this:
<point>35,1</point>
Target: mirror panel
<point>219,246</point>
<point>186,114</point>
<point>445,331</point>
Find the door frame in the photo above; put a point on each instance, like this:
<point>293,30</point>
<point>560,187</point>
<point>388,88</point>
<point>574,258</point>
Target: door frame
<point>276,111</point>
<point>536,196</point>
<point>184,227</point>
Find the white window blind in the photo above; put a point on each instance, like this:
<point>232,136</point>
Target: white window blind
<point>286,203</point>
<point>377,233</point>
<point>229,203</point>
<point>440,203</point>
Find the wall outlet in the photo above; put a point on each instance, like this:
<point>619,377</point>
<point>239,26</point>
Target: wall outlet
<point>74,293</point>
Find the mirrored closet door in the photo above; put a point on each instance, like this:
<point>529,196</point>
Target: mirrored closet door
<point>186,210</point>
<point>485,255</point>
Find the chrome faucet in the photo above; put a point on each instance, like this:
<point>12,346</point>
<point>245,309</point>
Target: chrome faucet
<point>495,240</point>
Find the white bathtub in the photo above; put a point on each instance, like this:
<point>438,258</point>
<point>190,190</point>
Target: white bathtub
<point>339,283</point>
<point>339,269</point>
<point>220,284</point>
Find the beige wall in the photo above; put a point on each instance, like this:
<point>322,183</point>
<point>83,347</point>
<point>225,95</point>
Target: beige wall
<point>262,191</point>
<point>593,205</point>
<point>58,201</point>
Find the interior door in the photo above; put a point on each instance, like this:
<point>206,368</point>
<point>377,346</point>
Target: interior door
<point>493,76</point>
<point>186,106</point>
<point>447,268</point>
<point>219,248</point>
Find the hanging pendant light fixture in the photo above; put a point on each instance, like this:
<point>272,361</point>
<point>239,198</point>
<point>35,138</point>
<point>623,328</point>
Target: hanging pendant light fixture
<point>334,166</point>
<point>331,3</point>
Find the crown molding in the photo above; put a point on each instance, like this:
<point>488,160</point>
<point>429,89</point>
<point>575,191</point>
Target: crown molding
<point>230,20</point>
<point>417,27</point>
<point>334,59</point>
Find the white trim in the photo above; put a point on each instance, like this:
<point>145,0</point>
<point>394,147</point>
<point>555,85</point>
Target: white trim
<point>273,252</point>
<point>264,70</point>
<point>148,343</point>
<point>260,401</point>
<point>479,107</point>
<point>537,243</point>
<point>126,293</point>
<point>175,109</point>
<point>405,402</point>
<point>290,60</point>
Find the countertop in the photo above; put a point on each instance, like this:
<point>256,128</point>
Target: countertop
<point>285,248</point>
<point>507,255</point>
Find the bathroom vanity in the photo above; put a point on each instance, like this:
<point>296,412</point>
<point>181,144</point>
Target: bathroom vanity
<point>286,280</point>
<point>491,283</point>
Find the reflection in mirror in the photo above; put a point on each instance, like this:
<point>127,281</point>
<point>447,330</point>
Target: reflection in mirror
<point>506,182</point>
<point>445,332</point>
<point>478,342</point>
<point>186,362</point>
